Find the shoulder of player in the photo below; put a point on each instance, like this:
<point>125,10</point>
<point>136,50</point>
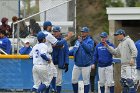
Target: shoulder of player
<point>47,33</point>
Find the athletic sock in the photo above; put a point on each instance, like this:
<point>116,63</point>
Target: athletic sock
<point>112,89</point>
<point>75,87</point>
<point>102,89</point>
<point>86,88</point>
<point>58,89</point>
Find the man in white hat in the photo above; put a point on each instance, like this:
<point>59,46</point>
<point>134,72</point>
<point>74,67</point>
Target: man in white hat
<point>26,49</point>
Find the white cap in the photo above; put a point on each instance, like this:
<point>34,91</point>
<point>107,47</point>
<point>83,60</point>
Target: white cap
<point>26,41</point>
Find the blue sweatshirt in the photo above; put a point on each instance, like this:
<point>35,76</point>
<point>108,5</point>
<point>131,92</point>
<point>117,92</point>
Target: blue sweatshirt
<point>5,44</point>
<point>25,50</point>
<point>138,56</point>
<point>60,54</point>
<point>83,52</point>
<point>102,55</point>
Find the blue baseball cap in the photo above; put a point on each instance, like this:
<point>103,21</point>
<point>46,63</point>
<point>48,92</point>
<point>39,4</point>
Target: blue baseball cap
<point>47,23</point>
<point>119,32</point>
<point>103,34</point>
<point>41,35</point>
<point>56,29</point>
<point>85,29</point>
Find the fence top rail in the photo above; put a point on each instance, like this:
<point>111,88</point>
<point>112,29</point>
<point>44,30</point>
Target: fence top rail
<point>18,56</point>
<point>62,23</point>
<point>42,11</point>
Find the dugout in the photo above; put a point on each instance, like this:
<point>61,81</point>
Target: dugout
<point>127,18</point>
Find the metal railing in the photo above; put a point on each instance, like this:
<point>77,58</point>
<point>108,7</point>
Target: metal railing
<point>18,24</point>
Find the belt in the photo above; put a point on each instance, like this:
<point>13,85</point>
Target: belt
<point>125,63</point>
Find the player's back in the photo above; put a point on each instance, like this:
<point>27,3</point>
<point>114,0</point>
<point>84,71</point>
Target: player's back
<point>36,52</point>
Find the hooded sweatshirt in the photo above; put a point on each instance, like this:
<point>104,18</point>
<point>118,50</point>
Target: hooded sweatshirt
<point>126,49</point>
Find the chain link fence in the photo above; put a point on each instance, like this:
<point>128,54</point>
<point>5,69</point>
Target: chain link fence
<point>60,12</point>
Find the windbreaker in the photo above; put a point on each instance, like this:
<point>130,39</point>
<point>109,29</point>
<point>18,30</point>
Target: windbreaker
<point>60,54</point>
<point>83,52</point>
<point>102,55</point>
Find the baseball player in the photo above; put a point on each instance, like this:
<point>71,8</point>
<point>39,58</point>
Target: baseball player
<point>51,40</point>
<point>41,65</point>
<point>105,67</point>
<point>60,56</point>
<point>128,52</point>
<point>83,57</point>
<point>138,61</point>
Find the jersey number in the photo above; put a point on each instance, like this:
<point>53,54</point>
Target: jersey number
<point>37,53</point>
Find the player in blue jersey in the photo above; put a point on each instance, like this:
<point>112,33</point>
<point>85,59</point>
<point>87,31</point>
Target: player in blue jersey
<point>60,56</point>
<point>105,67</point>
<point>83,57</point>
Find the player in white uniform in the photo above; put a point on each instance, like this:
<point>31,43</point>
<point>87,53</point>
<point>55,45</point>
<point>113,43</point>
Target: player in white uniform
<point>41,65</point>
<point>51,40</point>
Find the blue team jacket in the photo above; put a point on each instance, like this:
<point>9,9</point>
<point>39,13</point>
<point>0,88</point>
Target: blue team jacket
<point>102,55</point>
<point>5,44</point>
<point>83,52</point>
<point>60,54</point>
<point>25,50</point>
<point>138,56</point>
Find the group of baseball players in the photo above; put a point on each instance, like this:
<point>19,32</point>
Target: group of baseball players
<point>51,56</point>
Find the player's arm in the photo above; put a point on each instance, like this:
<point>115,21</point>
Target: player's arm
<point>66,57</point>
<point>134,52</point>
<point>45,57</point>
<point>133,49</point>
<point>95,58</point>
<point>95,55</point>
<point>88,46</point>
<point>112,50</point>
<point>43,53</point>
<point>66,53</point>
<point>54,41</point>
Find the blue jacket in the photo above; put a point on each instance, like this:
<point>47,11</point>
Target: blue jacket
<point>25,50</point>
<point>60,54</point>
<point>83,52</point>
<point>102,55</point>
<point>5,44</point>
<point>138,56</point>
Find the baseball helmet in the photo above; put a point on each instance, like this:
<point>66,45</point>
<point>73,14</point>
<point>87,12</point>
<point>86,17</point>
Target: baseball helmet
<point>85,29</point>
<point>56,29</point>
<point>103,34</point>
<point>119,32</point>
<point>47,23</point>
<point>41,35</point>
